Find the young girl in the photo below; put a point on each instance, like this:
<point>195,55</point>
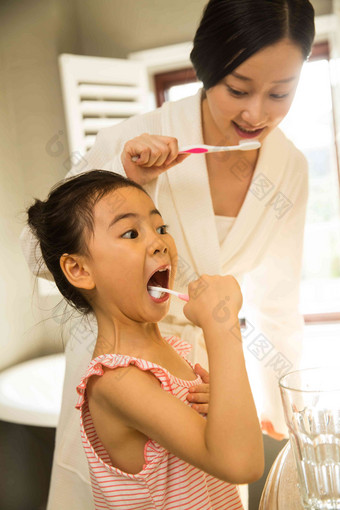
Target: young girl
<point>105,243</point>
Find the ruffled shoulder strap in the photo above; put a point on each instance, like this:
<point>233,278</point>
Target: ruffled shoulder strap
<point>183,348</point>
<point>113,361</point>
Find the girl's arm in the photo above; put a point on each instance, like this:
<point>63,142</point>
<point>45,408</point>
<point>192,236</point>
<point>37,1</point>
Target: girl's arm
<point>228,444</point>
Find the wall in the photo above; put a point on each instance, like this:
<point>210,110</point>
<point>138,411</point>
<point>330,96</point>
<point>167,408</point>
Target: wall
<point>115,28</point>
<point>32,35</point>
<point>110,28</point>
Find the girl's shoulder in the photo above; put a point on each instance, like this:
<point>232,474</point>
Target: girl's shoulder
<point>100,364</point>
<point>183,348</point>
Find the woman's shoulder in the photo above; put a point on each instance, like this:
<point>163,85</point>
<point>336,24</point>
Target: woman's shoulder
<point>150,121</point>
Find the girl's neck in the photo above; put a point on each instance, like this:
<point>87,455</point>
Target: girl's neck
<point>131,338</point>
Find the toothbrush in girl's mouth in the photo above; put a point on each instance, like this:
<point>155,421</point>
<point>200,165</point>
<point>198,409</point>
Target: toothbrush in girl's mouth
<point>157,291</point>
<point>202,149</point>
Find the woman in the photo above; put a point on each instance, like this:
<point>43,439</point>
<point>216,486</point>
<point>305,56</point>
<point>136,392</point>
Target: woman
<point>239,213</point>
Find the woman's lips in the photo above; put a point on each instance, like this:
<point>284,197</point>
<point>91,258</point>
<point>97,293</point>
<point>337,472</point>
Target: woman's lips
<point>245,133</point>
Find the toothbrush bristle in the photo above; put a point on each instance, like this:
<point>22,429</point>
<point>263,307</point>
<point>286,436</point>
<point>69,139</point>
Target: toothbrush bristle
<point>155,293</point>
<point>247,145</point>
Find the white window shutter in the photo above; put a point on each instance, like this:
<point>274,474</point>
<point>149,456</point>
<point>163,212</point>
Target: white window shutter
<point>99,92</point>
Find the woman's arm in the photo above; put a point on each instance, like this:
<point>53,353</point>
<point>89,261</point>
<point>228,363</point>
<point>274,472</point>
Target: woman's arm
<point>228,444</point>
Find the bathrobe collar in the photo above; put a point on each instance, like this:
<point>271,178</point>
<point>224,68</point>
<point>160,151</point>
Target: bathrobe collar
<point>182,119</point>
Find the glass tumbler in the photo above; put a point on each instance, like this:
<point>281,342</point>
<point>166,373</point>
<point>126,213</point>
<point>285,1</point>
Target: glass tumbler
<point>311,402</point>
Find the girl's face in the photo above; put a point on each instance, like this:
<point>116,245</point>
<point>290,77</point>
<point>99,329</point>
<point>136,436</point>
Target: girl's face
<point>130,248</point>
<point>252,100</point>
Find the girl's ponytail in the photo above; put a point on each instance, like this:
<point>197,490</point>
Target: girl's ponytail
<point>36,217</point>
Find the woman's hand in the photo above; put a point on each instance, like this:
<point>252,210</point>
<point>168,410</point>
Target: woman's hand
<point>155,153</point>
<point>199,395</point>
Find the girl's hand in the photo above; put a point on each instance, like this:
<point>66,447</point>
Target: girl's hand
<point>199,395</point>
<point>213,300</point>
<point>155,153</point>
<point>268,428</point>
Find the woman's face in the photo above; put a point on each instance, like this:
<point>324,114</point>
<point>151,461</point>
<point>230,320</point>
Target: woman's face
<point>252,100</point>
<point>130,243</point>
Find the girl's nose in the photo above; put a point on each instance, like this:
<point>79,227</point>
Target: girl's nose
<point>163,249</point>
<point>254,114</point>
<point>157,246</point>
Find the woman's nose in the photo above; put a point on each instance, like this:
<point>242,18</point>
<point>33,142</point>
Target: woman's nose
<point>255,114</point>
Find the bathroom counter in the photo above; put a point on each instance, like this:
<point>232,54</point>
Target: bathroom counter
<point>30,392</point>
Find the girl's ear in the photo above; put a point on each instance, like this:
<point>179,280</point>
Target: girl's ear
<point>77,271</point>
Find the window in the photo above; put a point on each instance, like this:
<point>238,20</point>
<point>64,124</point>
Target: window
<point>310,124</point>
<point>175,85</point>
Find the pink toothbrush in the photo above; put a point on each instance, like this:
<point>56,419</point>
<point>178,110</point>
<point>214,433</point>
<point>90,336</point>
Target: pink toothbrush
<point>157,291</point>
<point>244,145</point>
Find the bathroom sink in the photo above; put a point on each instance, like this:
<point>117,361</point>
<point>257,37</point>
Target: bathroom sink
<point>30,392</point>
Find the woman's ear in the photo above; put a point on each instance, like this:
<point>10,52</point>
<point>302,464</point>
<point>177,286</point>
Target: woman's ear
<point>77,271</point>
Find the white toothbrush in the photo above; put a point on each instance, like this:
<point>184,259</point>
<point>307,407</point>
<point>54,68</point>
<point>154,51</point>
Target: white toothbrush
<point>157,291</point>
<point>244,145</point>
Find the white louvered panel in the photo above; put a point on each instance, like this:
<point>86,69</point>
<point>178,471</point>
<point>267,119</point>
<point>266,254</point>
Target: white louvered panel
<point>89,141</point>
<point>98,93</point>
<point>112,108</point>
<point>93,125</point>
<point>87,90</point>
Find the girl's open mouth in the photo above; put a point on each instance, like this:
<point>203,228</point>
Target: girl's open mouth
<point>160,278</point>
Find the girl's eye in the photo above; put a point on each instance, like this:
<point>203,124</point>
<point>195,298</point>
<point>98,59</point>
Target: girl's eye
<point>235,92</point>
<point>163,229</point>
<point>130,234</point>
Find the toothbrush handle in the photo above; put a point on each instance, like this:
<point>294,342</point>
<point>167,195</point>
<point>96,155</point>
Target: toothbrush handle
<point>184,297</point>
<point>203,149</point>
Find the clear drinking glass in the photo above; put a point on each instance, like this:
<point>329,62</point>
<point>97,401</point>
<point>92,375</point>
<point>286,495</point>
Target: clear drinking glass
<point>311,402</point>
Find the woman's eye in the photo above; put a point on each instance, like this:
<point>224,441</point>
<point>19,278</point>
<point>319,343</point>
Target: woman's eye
<point>163,229</point>
<point>279,96</point>
<point>237,93</point>
<point>130,234</point>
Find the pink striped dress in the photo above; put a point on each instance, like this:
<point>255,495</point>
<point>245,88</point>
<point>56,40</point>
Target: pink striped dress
<point>165,481</point>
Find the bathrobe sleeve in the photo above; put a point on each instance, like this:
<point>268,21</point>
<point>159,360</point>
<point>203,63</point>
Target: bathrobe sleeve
<point>104,155</point>
<point>273,338</point>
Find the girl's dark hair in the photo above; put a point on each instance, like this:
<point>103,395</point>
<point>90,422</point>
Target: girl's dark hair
<point>231,31</point>
<point>60,222</point>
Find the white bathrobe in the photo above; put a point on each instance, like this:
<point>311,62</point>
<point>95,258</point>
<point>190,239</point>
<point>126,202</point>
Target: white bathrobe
<point>263,251</point>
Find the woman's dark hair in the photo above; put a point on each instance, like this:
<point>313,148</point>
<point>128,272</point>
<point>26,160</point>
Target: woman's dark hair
<point>61,222</point>
<point>231,31</point>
